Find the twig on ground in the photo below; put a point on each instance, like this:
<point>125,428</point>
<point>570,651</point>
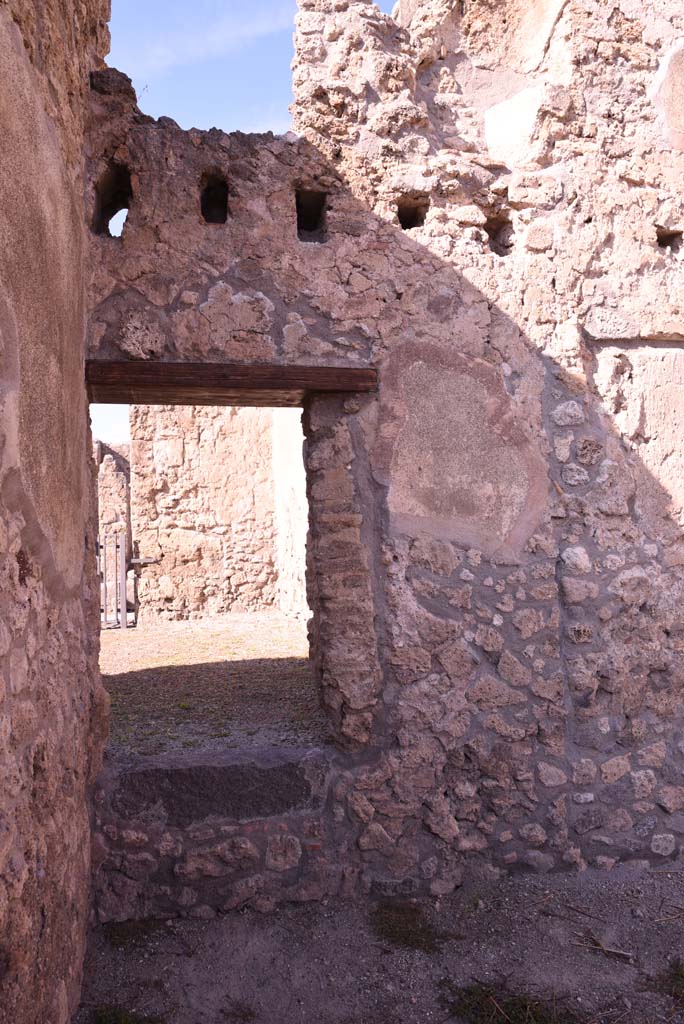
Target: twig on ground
<point>585,913</point>
<point>501,1011</point>
<point>597,946</point>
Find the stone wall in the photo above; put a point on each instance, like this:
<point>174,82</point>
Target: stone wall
<point>202,506</point>
<point>554,184</point>
<point>495,556</point>
<point>113,489</point>
<point>216,499</point>
<point>218,502</point>
<point>52,708</point>
<point>114,523</point>
<point>495,548</point>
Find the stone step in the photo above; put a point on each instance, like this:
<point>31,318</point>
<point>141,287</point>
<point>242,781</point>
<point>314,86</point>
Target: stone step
<point>184,835</point>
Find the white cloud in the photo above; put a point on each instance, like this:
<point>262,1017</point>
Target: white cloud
<point>187,45</point>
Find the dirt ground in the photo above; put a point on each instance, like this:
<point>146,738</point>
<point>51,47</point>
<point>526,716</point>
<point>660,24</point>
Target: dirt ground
<point>217,683</point>
<point>587,949</point>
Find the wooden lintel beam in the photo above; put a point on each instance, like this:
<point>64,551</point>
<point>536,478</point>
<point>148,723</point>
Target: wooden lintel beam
<point>140,382</point>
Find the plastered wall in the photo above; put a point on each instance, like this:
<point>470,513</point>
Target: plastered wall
<point>52,708</point>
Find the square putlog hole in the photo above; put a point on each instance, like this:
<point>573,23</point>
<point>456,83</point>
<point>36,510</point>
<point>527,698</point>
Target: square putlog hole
<point>214,199</point>
<point>671,240</point>
<point>311,215</point>
<point>412,211</point>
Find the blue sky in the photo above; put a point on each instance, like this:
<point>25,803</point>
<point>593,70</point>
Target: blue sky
<point>207,64</point>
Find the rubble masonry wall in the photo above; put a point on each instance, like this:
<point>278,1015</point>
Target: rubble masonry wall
<point>496,550</point>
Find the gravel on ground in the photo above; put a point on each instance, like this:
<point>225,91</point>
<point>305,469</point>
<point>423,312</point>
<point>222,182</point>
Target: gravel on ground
<point>234,681</point>
<point>593,948</point>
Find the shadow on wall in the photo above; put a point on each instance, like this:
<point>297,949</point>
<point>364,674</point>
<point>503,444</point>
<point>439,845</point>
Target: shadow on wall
<point>524,568</point>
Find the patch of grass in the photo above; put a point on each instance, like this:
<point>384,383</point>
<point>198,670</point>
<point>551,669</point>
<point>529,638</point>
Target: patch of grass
<point>670,982</point>
<point>123,934</point>
<point>405,925</point>
<point>117,1015</point>
<point>488,1004</point>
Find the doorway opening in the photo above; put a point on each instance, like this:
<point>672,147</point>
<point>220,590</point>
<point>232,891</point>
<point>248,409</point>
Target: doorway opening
<point>221,754</point>
<point>206,510</point>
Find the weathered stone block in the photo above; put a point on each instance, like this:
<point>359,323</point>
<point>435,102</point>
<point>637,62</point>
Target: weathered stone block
<point>283,853</point>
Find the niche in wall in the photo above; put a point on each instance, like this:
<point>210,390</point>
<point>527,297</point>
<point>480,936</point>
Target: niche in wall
<point>113,194</point>
<point>311,215</point>
<point>214,199</point>
<point>671,240</point>
<point>412,210</point>
<point>499,228</point>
